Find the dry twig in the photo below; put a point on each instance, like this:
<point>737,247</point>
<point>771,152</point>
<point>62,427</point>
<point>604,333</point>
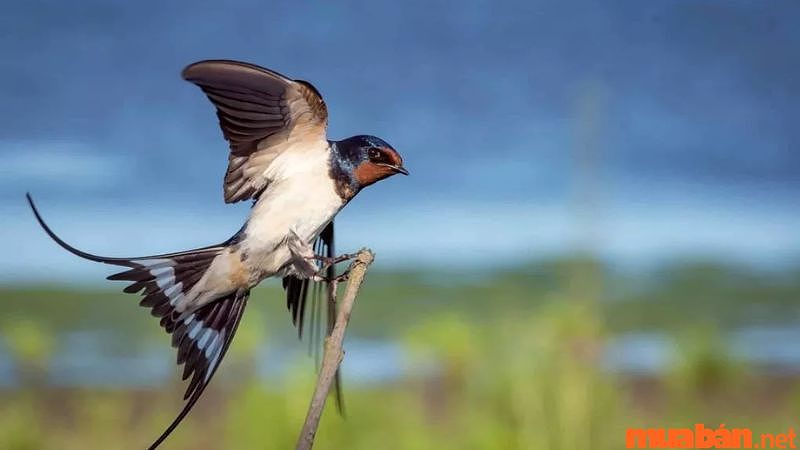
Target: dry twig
<point>333,353</point>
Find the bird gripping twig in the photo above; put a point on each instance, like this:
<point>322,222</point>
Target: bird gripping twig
<point>333,352</point>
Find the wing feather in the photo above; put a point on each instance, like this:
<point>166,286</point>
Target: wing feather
<point>259,111</point>
<point>297,290</point>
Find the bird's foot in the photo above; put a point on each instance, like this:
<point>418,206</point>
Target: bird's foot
<point>344,276</point>
<point>302,256</point>
<point>328,261</point>
<point>320,277</point>
<point>305,261</point>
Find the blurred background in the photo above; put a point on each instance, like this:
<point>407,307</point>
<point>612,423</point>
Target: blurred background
<point>600,230</point>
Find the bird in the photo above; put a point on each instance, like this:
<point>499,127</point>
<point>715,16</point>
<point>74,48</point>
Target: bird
<point>281,159</point>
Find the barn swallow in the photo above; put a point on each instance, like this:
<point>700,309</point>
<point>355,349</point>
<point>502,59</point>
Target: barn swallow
<point>299,180</point>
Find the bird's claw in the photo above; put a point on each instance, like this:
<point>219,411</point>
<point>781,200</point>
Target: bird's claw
<point>328,261</point>
<point>344,276</point>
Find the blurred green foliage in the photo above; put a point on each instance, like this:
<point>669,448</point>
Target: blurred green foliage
<point>502,360</point>
<point>30,342</point>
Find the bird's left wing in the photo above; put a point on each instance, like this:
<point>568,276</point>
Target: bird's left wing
<point>322,298</point>
<point>262,114</point>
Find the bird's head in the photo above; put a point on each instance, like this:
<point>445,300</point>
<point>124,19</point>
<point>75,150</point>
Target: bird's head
<point>372,159</point>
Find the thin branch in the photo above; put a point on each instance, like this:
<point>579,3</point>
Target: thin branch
<point>334,353</point>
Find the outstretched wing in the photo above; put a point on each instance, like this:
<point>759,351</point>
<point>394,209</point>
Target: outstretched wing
<point>262,114</point>
<point>297,297</point>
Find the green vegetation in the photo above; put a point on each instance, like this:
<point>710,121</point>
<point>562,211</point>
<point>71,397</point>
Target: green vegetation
<point>511,361</point>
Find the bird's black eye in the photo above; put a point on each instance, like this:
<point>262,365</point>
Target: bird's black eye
<point>374,154</point>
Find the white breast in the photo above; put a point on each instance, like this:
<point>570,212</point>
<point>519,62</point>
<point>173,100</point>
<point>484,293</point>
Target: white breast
<point>301,197</point>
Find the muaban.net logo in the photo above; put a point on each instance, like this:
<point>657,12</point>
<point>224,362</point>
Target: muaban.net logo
<point>702,437</point>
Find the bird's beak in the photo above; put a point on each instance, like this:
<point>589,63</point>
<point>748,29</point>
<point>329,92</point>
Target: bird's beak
<point>398,169</point>
<point>401,169</point>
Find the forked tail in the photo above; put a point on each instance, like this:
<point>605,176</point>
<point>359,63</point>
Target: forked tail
<point>201,335</point>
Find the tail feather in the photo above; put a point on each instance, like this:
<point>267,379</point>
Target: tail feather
<point>202,340</point>
<point>129,262</point>
<point>201,335</point>
<point>164,279</point>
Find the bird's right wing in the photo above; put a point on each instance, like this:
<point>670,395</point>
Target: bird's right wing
<point>262,114</point>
